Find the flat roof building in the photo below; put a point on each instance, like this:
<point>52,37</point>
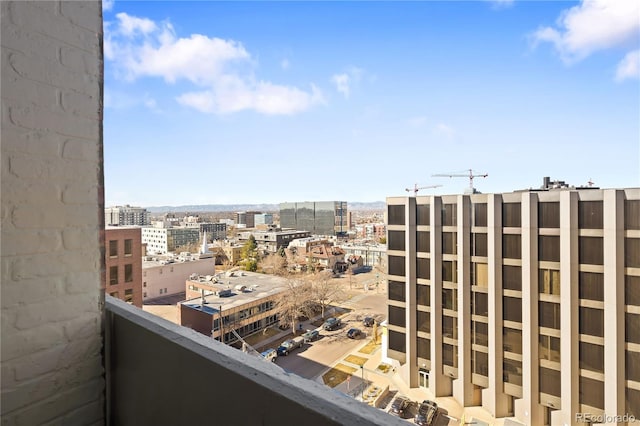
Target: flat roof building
<point>123,261</point>
<point>317,217</point>
<point>126,216</point>
<point>165,240</point>
<point>525,303</point>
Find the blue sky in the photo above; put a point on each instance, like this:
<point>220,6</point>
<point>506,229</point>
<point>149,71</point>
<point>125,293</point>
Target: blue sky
<point>266,102</point>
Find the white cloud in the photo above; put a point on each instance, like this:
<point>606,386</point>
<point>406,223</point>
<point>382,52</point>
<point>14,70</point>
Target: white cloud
<point>629,67</point>
<point>107,4</point>
<point>591,26</point>
<point>120,100</point>
<point>344,81</point>
<point>445,130</point>
<point>221,69</point>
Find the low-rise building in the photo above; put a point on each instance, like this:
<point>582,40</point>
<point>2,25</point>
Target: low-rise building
<point>319,252</point>
<point>372,254</point>
<point>160,240</point>
<point>165,275</point>
<point>242,301</point>
<point>270,241</point>
<point>124,263</point>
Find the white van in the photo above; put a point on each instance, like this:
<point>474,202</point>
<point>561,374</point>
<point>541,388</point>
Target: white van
<point>270,355</point>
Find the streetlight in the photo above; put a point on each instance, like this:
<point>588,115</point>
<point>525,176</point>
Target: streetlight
<point>362,370</point>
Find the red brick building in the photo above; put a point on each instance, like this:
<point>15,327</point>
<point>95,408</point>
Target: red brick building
<point>123,260</point>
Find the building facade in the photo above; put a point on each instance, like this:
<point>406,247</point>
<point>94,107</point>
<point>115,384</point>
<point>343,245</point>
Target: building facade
<point>317,217</point>
<point>123,259</point>
<point>263,219</point>
<point>165,240</point>
<point>165,277</point>
<point>215,231</point>
<point>374,255</point>
<point>525,303</point>
<point>126,216</point>
<point>271,241</point>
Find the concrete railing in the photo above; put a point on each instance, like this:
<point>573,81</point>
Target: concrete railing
<point>161,373</point>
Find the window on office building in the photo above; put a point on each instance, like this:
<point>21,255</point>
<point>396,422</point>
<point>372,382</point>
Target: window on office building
<point>591,392</point>
<point>479,245</point>
<point>549,381</point>
<point>511,246</point>
<point>423,268</point>
<point>396,291</point>
<point>449,214</point>
<point>549,348</point>
<point>632,328</point>
<point>113,275</point>
<point>422,214</point>
<point>424,321</point>
<point>395,215</point>
<point>128,295</point>
<point>449,299</point>
<point>449,355</point>
<point>633,365</point>
<point>511,215</point>
<point>424,348</point>
<point>480,214</point>
<point>396,265</point>
<point>512,340</point>
<point>480,304</point>
<point>449,327</point>
<point>395,240</point>
<point>591,321</point>
<point>512,309</point>
<point>590,215</point>
<point>449,271</point>
<point>549,281</point>
<point>549,315</point>
<point>549,248</point>
<point>480,363</point>
<point>423,295</point>
<point>512,277</point>
<point>449,243</point>
<point>128,247</point>
<point>632,252</point>
<point>397,341</point>
<point>632,406</point>
<point>632,290</point>
<point>591,286</point>
<point>591,250</point>
<point>549,215</point>
<point>632,215</point>
<point>480,275</point>
<point>422,241</point>
<point>113,248</point>
<point>512,371</point>
<point>591,357</point>
<point>128,273</point>
<point>397,316</point>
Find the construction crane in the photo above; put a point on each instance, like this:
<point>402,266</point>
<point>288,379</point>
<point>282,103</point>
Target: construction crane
<point>416,188</point>
<point>470,175</point>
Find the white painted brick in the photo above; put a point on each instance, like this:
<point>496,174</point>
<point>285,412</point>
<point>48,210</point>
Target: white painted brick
<point>27,216</point>
<point>80,193</point>
<point>27,166</point>
<point>47,193</point>
<point>81,104</point>
<point>34,290</point>
<point>75,214</point>
<point>24,92</point>
<point>86,415</point>
<point>84,327</point>
<point>82,260</point>
<point>18,40</point>
<point>69,170</point>
<point>36,266</point>
<point>17,344</point>
<point>37,142</point>
<point>55,310</point>
<point>76,282</point>
<point>86,14</point>
<point>78,239</point>
<point>35,117</point>
<point>39,363</point>
<point>32,242</point>
<point>78,149</point>
<point>79,60</point>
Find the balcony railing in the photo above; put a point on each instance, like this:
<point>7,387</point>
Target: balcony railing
<point>159,373</point>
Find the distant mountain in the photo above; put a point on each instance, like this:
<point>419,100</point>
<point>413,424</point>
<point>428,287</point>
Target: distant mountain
<point>355,205</point>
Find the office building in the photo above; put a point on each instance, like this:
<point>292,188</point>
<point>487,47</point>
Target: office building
<point>126,216</point>
<point>524,303</point>
<point>263,219</point>
<point>317,217</point>
<point>124,264</point>
<point>272,240</point>
<point>215,231</point>
<point>246,219</point>
<point>165,240</point>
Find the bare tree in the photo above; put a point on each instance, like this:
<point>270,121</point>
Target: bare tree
<point>326,291</point>
<point>295,301</point>
<point>273,264</point>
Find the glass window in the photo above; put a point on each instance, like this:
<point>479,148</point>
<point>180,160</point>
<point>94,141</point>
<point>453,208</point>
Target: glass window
<point>128,273</point>
<point>395,215</point>
<point>113,248</point>
<point>480,276</point>
<point>591,250</point>
<point>590,215</point>
<point>512,277</point>
<point>549,381</point>
<point>397,341</point>
<point>480,363</point>
<point>113,275</point>
<point>449,214</point>
<point>423,268</point>
<point>549,215</point>
<point>128,247</point>
<point>512,340</point>
<point>479,245</point>
<point>512,371</point>
<point>449,271</point>
<point>591,392</point>
<point>423,214</point>
<point>422,241</point>
<point>424,321</point>
<point>395,240</point>
<point>449,327</point>
<point>480,214</point>
<point>114,294</point>
<point>423,295</point>
<point>632,252</point>
<point>633,365</point>
<point>449,355</point>
<point>549,315</point>
<point>449,299</point>
<point>549,248</point>
<point>591,321</point>
<point>449,243</point>
<point>633,402</point>
<point>591,286</point>
<point>549,348</point>
<point>397,316</point>
<point>480,333</point>
<point>632,215</point>
<point>549,281</point>
<point>480,304</point>
<point>632,328</point>
<point>632,290</point>
<point>591,357</point>
<point>511,246</point>
<point>396,265</point>
<point>128,295</point>
<point>396,291</point>
<point>511,216</point>
<point>512,309</point>
<point>424,348</point>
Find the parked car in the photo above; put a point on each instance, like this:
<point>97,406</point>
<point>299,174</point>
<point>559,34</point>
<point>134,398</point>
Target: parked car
<point>399,405</point>
<point>368,321</point>
<point>427,413</point>
<point>270,355</point>
<point>354,333</point>
<point>311,335</point>
<point>332,324</point>
<point>289,346</point>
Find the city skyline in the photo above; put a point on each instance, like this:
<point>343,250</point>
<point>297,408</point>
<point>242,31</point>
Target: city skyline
<point>249,103</point>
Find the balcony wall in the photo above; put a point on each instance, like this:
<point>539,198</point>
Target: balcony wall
<point>162,373</point>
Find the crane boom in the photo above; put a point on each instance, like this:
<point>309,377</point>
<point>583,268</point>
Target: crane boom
<point>416,188</point>
<point>469,175</point>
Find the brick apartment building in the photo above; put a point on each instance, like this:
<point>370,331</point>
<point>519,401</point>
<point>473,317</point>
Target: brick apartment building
<point>124,264</point>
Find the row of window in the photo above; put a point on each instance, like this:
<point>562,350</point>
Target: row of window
<point>113,274</point>
<point>113,247</point>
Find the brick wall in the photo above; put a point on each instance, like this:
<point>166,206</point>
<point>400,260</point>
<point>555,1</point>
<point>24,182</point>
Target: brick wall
<point>52,213</point>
